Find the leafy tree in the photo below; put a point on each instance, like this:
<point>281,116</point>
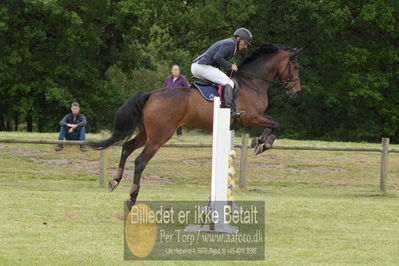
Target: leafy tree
<point>349,67</point>
<point>56,52</point>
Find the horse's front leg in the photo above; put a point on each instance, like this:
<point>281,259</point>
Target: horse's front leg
<point>265,141</point>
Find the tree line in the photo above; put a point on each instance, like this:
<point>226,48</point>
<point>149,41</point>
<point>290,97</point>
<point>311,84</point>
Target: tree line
<point>100,52</point>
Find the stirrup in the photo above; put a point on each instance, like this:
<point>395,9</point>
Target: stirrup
<point>237,114</point>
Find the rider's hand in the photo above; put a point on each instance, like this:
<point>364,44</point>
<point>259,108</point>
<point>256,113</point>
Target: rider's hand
<point>234,67</point>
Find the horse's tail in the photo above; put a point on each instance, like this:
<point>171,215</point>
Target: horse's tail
<point>128,117</point>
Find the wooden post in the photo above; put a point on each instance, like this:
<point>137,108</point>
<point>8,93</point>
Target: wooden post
<point>102,162</point>
<point>384,164</point>
<point>243,160</point>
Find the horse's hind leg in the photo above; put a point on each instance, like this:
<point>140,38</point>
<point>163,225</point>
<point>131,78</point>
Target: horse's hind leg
<point>127,149</point>
<point>140,164</point>
<point>152,146</point>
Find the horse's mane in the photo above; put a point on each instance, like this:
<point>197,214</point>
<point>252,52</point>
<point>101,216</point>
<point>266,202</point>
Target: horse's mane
<point>264,49</point>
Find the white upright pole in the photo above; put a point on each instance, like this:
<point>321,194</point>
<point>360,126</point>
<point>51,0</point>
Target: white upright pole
<point>215,129</point>
<point>220,151</point>
<point>221,145</point>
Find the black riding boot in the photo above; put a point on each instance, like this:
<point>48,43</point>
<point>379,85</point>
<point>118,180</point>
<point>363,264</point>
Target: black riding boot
<point>229,102</point>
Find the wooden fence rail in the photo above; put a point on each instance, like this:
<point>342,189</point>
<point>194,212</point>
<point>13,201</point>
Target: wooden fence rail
<point>243,146</point>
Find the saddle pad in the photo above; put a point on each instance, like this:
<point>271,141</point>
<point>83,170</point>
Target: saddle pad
<point>207,91</point>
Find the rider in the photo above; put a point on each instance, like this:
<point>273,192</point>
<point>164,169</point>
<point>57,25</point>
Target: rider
<point>206,66</point>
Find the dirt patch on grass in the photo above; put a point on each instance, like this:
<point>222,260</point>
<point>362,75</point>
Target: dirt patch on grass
<point>31,153</point>
<point>156,179</point>
<point>320,168</point>
<point>78,164</point>
<point>376,195</point>
<point>369,195</point>
<point>270,156</point>
<point>27,152</point>
<point>57,161</point>
<point>255,190</point>
<point>361,155</point>
<point>128,176</point>
<point>264,165</point>
<point>191,162</point>
<point>327,169</point>
<point>199,162</point>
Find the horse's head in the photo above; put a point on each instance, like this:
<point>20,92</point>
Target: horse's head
<point>288,72</point>
<point>269,61</point>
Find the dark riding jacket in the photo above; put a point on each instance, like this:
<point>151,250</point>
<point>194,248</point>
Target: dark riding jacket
<point>219,54</point>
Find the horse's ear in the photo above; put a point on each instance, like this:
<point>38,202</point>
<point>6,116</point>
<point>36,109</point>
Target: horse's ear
<point>296,52</point>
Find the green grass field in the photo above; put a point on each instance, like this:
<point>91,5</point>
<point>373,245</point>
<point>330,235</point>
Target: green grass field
<point>321,207</point>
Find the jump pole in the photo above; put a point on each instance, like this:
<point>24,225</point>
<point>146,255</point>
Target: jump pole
<point>221,146</point>
<point>221,142</point>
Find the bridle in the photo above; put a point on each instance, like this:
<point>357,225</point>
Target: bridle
<point>286,83</point>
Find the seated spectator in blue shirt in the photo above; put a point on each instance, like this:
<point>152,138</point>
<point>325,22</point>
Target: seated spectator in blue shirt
<point>176,80</point>
<point>73,127</point>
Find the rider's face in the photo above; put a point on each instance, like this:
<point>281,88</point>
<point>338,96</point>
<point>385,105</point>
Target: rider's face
<point>242,45</point>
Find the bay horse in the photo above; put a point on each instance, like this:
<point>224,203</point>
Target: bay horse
<point>158,113</point>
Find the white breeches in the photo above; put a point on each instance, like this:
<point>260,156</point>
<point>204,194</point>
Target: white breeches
<point>211,73</point>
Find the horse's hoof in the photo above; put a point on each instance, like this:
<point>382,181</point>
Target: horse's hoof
<point>254,142</point>
<point>262,148</point>
<point>258,149</point>
<point>112,185</point>
<point>130,204</point>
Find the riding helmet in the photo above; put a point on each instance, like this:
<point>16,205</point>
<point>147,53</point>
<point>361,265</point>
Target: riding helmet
<point>244,34</point>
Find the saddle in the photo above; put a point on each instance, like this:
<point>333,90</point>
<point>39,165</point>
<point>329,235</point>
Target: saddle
<point>209,90</point>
